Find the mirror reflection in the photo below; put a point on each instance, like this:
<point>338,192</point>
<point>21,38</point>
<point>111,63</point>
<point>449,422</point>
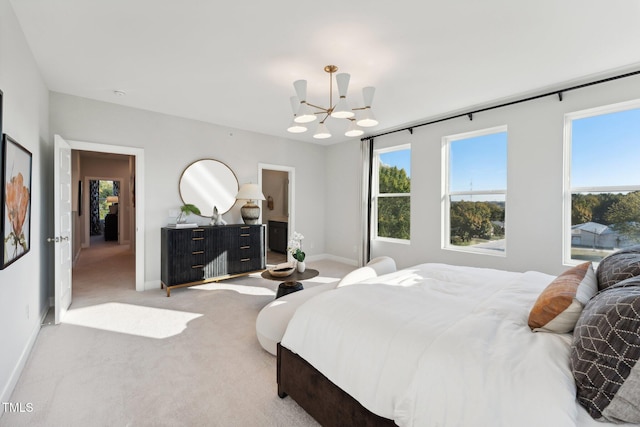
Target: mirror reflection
<point>207,183</point>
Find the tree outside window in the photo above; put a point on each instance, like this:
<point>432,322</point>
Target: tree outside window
<point>392,193</point>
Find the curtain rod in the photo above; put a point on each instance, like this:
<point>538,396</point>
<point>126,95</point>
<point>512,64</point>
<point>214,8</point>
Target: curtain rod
<point>470,114</point>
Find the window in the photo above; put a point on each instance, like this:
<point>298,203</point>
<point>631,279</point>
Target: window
<point>475,190</point>
<point>391,192</point>
<point>106,189</point>
<point>602,191</point>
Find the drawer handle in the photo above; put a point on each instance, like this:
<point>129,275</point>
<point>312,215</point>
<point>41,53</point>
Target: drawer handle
<point>246,227</point>
<point>245,259</point>
<point>197,266</point>
<point>198,230</point>
<point>245,235</point>
<point>197,238</point>
<point>245,247</point>
<point>197,252</point>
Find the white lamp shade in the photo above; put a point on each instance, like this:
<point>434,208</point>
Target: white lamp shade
<point>367,95</point>
<point>343,83</point>
<point>296,127</point>
<point>367,119</point>
<point>342,110</point>
<point>295,104</point>
<point>353,129</point>
<point>304,114</point>
<point>250,192</point>
<point>322,132</point>
<point>301,89</point>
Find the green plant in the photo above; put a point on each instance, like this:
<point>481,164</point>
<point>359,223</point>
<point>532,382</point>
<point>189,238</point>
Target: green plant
<point>298,255</point>
<point>188,208</point>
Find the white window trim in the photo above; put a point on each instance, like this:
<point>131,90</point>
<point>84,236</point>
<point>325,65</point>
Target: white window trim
<point>375,195</point>
<point>446,194</point>
<point>567,190</point>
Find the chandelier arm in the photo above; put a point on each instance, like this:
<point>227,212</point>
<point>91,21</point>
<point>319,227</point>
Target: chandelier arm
<point>325,110</point>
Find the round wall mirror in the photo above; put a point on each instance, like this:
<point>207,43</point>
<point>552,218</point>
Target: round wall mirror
<point>207,183</point>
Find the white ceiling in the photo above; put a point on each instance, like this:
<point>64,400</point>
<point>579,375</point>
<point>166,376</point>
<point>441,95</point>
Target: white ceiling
<point>233,63</point>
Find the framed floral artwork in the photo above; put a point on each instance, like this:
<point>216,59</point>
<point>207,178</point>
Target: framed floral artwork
<point>16,201</point>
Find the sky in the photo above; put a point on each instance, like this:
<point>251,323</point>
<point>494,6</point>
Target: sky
<point>399,158</point>
<point>479,163</point>
<point>606,150</point>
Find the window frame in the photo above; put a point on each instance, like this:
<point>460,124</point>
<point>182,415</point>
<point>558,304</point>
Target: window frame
<point>447,193</point>
<point>567,190</point>
<point>375,194</point>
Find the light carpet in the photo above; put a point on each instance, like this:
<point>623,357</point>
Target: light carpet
<point>127,358</point>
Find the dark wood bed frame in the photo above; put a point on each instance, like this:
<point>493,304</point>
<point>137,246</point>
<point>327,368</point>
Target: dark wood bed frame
<point>322,399</point>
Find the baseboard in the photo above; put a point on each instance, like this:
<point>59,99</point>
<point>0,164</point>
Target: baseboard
<point>44,313</point>
<point>152,285</point>
<point>330,257</point>
<point>17,370</point>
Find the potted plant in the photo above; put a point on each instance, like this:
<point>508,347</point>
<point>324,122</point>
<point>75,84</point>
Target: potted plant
<point>186,209</point>
<point>295,247</point>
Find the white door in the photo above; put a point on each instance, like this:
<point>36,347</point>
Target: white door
<point>62,237</point>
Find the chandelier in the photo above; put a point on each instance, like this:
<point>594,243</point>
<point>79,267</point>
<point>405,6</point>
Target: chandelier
<point>304,112</point>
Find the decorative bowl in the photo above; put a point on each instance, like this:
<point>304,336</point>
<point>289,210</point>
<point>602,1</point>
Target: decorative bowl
<point>282,270</point>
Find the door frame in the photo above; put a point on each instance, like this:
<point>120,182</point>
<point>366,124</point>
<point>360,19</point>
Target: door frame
<point>138,153</point>
<point>291,190</point>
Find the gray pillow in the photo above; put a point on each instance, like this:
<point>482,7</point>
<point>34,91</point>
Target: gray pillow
<point>619,266</point>
<point>605,351</point>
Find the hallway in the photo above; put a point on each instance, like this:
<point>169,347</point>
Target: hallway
<point>102,272</point>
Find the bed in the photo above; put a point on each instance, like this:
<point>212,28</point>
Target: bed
<point>438,345</point>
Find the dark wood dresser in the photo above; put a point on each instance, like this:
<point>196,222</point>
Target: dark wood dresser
<point>192,256</point>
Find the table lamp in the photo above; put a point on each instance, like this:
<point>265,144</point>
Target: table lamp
<point>250,211</point>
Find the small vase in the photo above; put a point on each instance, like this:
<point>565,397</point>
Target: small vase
<point>301,266</point>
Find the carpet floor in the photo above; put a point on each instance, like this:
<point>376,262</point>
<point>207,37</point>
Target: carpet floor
<point>127,358</point>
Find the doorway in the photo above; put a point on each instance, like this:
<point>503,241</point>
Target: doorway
<point>130,175</point>
<point>278,210</point>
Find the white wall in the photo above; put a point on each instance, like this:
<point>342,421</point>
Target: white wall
<point>342,212</point>
<point>534,183</point>
<point>172,143</point>
<point>23,284</point>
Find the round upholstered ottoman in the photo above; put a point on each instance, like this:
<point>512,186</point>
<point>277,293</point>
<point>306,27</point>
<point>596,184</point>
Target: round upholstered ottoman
<point>273,319</point>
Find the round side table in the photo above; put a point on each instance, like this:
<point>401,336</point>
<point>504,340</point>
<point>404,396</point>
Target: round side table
<point>290,283</point>
<point>286,288</point>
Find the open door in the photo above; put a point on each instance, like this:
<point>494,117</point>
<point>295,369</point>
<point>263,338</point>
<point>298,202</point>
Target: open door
<point>62,228</point>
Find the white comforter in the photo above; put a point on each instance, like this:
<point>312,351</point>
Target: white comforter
<point>440,345</point>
